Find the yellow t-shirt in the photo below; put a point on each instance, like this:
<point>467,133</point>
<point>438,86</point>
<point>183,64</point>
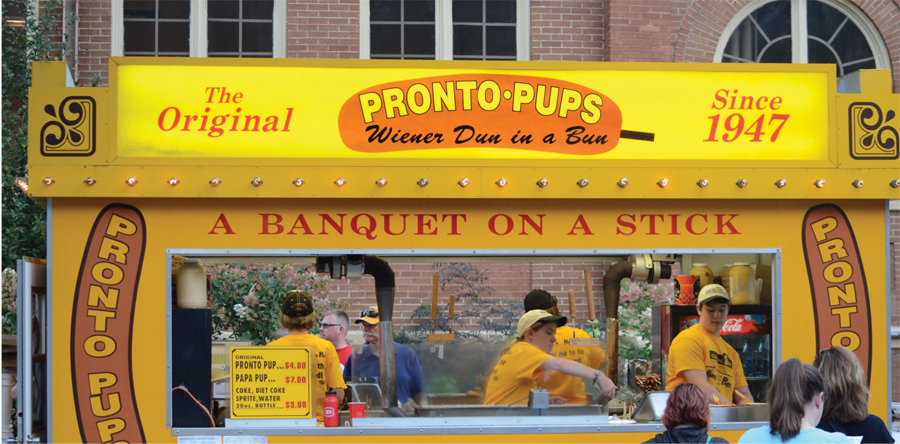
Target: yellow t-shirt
<point>513,377</point>
<point>560,384</point>
<point>327,367</point>
<point>697,349</point>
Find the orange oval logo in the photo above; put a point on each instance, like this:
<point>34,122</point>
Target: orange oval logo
<point>481,111</point>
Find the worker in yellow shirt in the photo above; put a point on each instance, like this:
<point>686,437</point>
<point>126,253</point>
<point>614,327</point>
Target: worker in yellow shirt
<point>565,389</point>
<point>298,316</point>
<point>701,357</point>
<point>514,375</point>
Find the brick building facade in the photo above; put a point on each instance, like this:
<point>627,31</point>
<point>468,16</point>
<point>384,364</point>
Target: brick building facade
<point>557,30</point>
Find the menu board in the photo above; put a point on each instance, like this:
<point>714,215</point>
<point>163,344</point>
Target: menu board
<point>272,382</point>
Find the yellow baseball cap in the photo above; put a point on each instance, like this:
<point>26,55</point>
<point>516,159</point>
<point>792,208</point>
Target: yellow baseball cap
<point>369,315</point>
<point>534,316</point>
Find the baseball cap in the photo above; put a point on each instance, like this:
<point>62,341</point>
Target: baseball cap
<point>297,303</point>
<point>369,315</point>
<point>712,292</point>
<point>534,316</point>
<point>538,300</point>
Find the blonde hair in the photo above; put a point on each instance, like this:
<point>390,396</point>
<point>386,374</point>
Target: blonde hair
<point>845,385</point>
<point>298,322</point>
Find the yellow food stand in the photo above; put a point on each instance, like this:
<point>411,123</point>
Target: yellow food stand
<point>306,158</point>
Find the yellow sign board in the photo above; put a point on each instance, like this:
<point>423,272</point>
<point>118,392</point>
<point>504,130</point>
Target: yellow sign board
<point>432,111</point>
<point>272,382</point>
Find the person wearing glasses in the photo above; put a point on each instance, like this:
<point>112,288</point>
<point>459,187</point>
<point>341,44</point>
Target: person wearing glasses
<point>701,357</point>
<point>565,389</point>
<point>847,398</point>
<point>333,328</point>
<point>298,316</point>
<point>410,379</point>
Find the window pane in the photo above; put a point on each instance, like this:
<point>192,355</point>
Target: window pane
<point>175,9</point>
<point>140,36</point>
<point>419,39</point>
<point>777,52</point>
<point>501,40</point>
<point>858,66</point>
<point>257,37</point>
<point>819,52</point>
<point>467,40</point>
<point>223,9</point>
<point>850,44</point>
<point>500,11</point>
<point>774,19</point>
<point>223,36</point>
<point>173,37</point>
<point>418,10</point>
<point>385,39</point>
<point>139,9</point>
<point>467,11</point>
<point>384,10</point>
<point>823,20</point>
<point>258,9</point>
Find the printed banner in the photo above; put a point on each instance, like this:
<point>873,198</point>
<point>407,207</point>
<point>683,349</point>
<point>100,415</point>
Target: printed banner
<point>838,283</point>
<point>316,112</point>
<point>102,323</point>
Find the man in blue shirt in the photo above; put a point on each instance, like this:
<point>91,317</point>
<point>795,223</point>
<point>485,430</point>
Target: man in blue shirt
<point>410,380</point>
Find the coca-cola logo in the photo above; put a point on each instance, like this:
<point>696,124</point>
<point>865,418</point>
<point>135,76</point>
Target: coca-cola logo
<point>733,325</point>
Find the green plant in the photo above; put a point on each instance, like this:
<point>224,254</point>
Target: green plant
<point>635,302</point>
<point>10,283</point>
<point>246,298</point>
<point>470,286</point>
<point>39,38</point>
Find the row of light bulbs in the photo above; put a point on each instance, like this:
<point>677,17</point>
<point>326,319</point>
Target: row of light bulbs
<point>623,182</point>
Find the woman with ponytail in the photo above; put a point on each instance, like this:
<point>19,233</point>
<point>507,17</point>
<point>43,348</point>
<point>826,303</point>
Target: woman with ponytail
<point>298,316</point>
<point>796,401</point>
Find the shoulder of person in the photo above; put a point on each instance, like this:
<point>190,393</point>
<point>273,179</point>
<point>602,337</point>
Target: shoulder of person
<point>716,440</point>
<point>759,434</point>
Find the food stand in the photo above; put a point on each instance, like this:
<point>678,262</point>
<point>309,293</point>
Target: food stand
<point>301,159</point>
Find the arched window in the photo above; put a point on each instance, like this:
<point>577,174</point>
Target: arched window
<point>803,31</point>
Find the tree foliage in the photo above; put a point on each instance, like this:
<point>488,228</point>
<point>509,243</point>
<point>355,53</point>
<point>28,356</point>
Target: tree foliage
<point>40,38</point>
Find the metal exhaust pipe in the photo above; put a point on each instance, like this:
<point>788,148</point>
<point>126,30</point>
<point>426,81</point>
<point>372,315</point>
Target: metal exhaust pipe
<point>379,269</point>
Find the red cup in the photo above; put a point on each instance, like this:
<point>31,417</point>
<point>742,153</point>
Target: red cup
<point>357,410</point>
<point>686,290</point>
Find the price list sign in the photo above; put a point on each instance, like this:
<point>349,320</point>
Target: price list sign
<point>272,382</point>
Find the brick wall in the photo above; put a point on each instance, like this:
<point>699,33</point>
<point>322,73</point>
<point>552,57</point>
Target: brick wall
<point>568,30</point>
<point>640,31</point>
<point>94,35</point>
<point>323,29</point>
<point>508,280</point>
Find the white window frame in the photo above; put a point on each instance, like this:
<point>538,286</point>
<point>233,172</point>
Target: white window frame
<point>443,30</point>
<point>199,41</point>
<point>799,34</point>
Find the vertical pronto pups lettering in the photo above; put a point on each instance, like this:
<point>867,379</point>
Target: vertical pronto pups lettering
<point>102,323</point>
<point>838,283</point>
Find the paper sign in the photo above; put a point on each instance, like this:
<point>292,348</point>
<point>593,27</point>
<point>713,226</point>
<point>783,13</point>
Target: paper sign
<point>199,440</point>
<point>272,382</point>
<point>589,342</point>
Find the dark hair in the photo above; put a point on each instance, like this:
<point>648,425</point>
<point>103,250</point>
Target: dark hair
<point>687,405</point>
<point>794,385</point>
<point>846,390</point>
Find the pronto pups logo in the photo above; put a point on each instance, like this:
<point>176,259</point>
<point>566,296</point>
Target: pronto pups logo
<point>483,111</point>
<point>102,322</point>
<point>838,283</point>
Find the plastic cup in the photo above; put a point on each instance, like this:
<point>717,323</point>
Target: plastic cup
<point>357,410</point>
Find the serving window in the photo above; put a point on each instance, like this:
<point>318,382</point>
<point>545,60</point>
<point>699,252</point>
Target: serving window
<point>458,343</point>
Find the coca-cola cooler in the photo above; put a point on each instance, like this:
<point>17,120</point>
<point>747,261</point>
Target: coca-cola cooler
<point>748,330</point>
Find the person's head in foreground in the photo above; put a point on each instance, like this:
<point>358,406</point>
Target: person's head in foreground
<point>846,393</point>
<point>369,318</point>
<point>538,328</point>
<point>687,407</point>
<point>796,398</point>
<point>297,311</point>
<point>712,306</point>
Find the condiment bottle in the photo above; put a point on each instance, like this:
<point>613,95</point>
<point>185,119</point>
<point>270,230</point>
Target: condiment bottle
<point>331,409</point>
<point>703,272</point>
<point>190,287</point>
<point>724,276</point>
<point>743,284</point>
